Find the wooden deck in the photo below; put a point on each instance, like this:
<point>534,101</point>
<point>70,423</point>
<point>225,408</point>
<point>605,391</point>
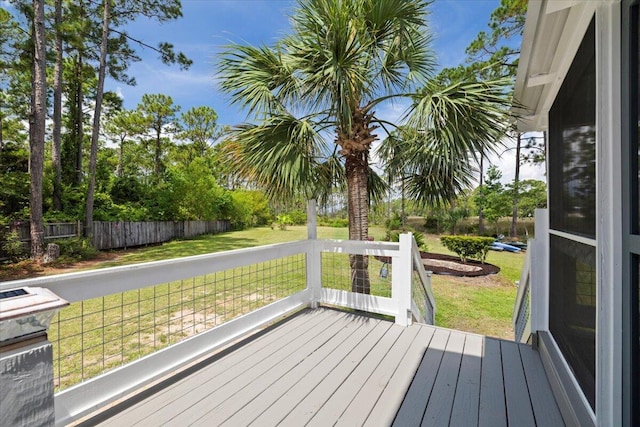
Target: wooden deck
<point>326,367</point>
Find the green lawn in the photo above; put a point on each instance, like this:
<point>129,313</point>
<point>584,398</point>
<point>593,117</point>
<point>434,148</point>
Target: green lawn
<point>481,305</point>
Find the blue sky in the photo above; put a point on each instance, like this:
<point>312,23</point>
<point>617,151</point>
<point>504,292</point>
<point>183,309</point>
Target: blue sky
<point>209,24</point>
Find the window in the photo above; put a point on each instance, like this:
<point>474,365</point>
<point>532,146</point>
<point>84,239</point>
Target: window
<point>630,78</point>
<point>572,313</point>
<point>572,216</point>
<point>572,137</point>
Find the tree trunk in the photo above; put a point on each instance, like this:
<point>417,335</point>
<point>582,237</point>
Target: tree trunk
<point>357,171</point>
<point>516,192</point>
<point>120,167</point>
<point>480,211</point>
<point>57,112</point>
<point>95,131</point>
<point>79,122</point>
<point>452,216</point>
<point>158,154</point>
<point>37,130</point>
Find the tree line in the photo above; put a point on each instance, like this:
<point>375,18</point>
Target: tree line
<point>312,99</point>
<point>69,150</point>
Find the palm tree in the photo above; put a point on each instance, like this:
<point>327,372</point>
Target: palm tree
<point>342,59</point>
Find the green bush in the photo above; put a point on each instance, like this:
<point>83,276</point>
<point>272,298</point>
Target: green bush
<point>333,222</point>
<point>298,217</point>
<point>468,246</point>
<point>13,247</point>
<point>283,221</point>
<point>394,236</point>
<point>76,248</point>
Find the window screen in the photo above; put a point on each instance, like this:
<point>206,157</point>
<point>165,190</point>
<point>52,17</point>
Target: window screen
<point>572,146</point>
<point>572,312</point>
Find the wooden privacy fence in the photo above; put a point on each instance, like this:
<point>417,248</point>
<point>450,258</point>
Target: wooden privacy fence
<point>123,234</point>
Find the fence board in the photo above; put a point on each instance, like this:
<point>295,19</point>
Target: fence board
<point>124,234</point>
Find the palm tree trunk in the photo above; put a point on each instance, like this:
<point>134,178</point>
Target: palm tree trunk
<point>357,171</point>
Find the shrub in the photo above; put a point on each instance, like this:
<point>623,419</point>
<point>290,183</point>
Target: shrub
<point>394,236</point>
<point>297,217</point>
<point>76,248</point>
<point>326,221</point>
<point>468,246</point>
<point>283,221</point>
<point>13,247</point>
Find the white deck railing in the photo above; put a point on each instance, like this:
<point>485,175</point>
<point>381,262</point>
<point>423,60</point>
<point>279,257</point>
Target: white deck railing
<point>521,317</point>
<point>130,326</point>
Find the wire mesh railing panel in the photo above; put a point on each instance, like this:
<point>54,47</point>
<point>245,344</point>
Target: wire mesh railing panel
<point>357,273</point>
<point>93,336</point>
<point>523,315</point>
<point>419,295</point>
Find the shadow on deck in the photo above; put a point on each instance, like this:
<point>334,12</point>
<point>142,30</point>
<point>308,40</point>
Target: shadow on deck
<point>327,367</point>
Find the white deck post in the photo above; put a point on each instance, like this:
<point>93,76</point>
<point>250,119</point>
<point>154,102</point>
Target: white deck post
<point>539,281</point>
<point>401,281</point>
<point>314,261</point>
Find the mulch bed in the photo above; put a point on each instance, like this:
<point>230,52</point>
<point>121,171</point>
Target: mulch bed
<point>451,265</point>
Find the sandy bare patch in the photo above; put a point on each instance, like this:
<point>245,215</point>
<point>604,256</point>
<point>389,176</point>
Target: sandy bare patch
<point>450,265</point>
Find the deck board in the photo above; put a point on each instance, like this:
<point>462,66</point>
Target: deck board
<point>214,396</point>
<point>395,391</point>
<point>356,411</point>
<point>545,408</point>
<point>467,398</point>
<point>333,408</point>
<point>415,402</point>
<point>302,379</point>
<point>438,412</point>
<point>292,406</point>
<point>519,411</point>
<point>492,411</point>
<point>262,347</point>
<point>328,367</point>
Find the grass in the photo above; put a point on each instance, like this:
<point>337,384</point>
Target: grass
<point>482,305</point>
<point>229,241</point>
<point>97,335</point>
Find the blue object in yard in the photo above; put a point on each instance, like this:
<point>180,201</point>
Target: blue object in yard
<point>506,247</point>
<point>520,245</point>
<point>493,247</point>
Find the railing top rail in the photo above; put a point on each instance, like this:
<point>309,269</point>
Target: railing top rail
<point>84,285</point>
<point>360,247</point>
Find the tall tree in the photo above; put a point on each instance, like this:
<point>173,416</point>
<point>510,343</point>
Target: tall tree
<point>56,154</point>
<point>37,121</point>
<point>123,126</point>
<point>97,112</point>
<point>160,112</point>
<point>200,127</point>
<point>497,53</point>
<point>342,60</point>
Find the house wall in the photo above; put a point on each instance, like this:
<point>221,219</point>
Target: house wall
<point>550,43</point>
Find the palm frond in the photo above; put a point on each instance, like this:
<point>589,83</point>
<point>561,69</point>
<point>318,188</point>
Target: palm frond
<point>282,155</point>
<point>253,77</point>
<point>467,117</point>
